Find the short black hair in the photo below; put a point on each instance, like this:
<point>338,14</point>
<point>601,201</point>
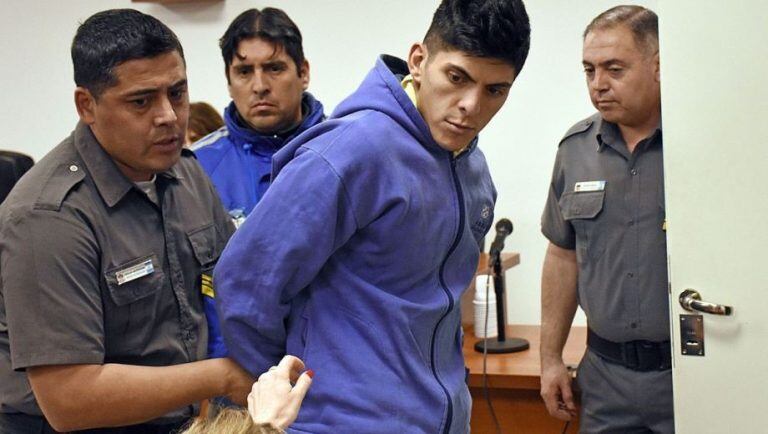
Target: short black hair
<point>271,24</point>
<point>642,22</point>
<point>109,38</point>
<point>484,28</point>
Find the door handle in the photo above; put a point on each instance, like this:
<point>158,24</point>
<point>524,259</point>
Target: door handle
<point>690,300</point>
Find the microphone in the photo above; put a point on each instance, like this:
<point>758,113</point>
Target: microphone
<point>500,344</point>
<point>503,229</point>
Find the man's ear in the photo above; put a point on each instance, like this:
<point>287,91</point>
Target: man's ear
<point>304,74</point>
<point>85,104</point>
<point>417,61</point>
<point>657,67</point>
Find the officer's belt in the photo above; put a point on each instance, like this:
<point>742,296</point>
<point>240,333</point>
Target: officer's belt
<point>636,355</point>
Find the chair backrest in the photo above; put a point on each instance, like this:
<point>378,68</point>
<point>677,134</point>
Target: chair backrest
<point>12,166</point>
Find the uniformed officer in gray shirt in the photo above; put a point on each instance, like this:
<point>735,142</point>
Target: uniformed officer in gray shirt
<point>104,247</point>
<point>604,219</point>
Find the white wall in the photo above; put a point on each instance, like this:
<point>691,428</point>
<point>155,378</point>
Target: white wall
<point>342,39</point>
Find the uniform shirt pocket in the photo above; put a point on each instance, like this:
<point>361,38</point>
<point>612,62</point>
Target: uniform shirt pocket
<point>134,280</point>
<point>582,210</point>
<point>582,205</point>
<point>205,246</point>
<point>132,318</point>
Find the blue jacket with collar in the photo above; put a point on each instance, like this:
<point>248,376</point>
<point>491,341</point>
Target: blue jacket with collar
<point>239,162</point>
<point>239,159</point>
<point>355,260</point>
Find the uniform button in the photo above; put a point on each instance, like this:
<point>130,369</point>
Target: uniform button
<point>633,325</point>
<point>633,172</point>
<point>630,275</point>
<point>73,168</point>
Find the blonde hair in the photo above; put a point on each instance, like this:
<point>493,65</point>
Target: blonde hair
<point>229,421</point>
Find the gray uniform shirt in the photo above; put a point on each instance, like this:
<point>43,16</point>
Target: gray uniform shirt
<point>93,272</point>
<point>608,205</point>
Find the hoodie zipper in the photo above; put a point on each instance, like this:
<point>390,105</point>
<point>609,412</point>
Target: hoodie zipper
<point>460,197</point>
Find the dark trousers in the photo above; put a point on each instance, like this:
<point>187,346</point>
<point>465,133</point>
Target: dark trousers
<point>17,423</point>
<point>617,400</point>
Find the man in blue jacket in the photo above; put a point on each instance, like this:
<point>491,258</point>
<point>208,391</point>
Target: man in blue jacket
<point>268,77</point>
<point>357,255</point>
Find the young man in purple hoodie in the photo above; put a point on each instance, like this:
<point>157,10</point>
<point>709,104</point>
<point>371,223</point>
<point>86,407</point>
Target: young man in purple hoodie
<point>357,255</point>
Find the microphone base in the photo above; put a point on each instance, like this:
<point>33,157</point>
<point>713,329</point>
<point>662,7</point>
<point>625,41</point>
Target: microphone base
<point>509,345</point>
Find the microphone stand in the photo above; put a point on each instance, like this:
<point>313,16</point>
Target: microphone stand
<point>500,344</point>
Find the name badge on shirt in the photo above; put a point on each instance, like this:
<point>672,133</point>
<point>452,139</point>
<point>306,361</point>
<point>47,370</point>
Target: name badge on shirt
<point>589,186</point>
<point>134,272</point>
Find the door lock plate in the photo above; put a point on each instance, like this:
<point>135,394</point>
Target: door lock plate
<point>692,335</point>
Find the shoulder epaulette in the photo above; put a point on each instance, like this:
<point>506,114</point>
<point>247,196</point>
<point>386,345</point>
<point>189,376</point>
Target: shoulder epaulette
<point>60,181</point>
<point>578,128</point>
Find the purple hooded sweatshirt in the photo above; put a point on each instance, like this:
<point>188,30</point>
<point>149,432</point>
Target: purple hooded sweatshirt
<point>355,260</point>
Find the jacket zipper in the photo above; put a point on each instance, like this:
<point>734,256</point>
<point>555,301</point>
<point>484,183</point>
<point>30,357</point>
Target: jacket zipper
<point>460,197</point>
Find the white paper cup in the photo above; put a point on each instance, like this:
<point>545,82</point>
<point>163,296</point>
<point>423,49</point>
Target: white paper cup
<point>483,307</point>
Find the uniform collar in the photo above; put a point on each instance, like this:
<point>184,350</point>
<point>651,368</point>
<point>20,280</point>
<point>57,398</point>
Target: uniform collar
<point>608,134</point>
<point>111,183</point>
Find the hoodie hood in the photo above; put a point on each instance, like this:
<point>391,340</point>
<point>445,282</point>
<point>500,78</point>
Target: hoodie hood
<point>381,91</point>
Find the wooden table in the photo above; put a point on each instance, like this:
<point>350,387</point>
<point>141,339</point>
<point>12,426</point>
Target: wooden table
<point>513,383</point>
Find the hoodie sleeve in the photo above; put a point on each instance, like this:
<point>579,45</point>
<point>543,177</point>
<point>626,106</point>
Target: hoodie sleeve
<point>303,218</point>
